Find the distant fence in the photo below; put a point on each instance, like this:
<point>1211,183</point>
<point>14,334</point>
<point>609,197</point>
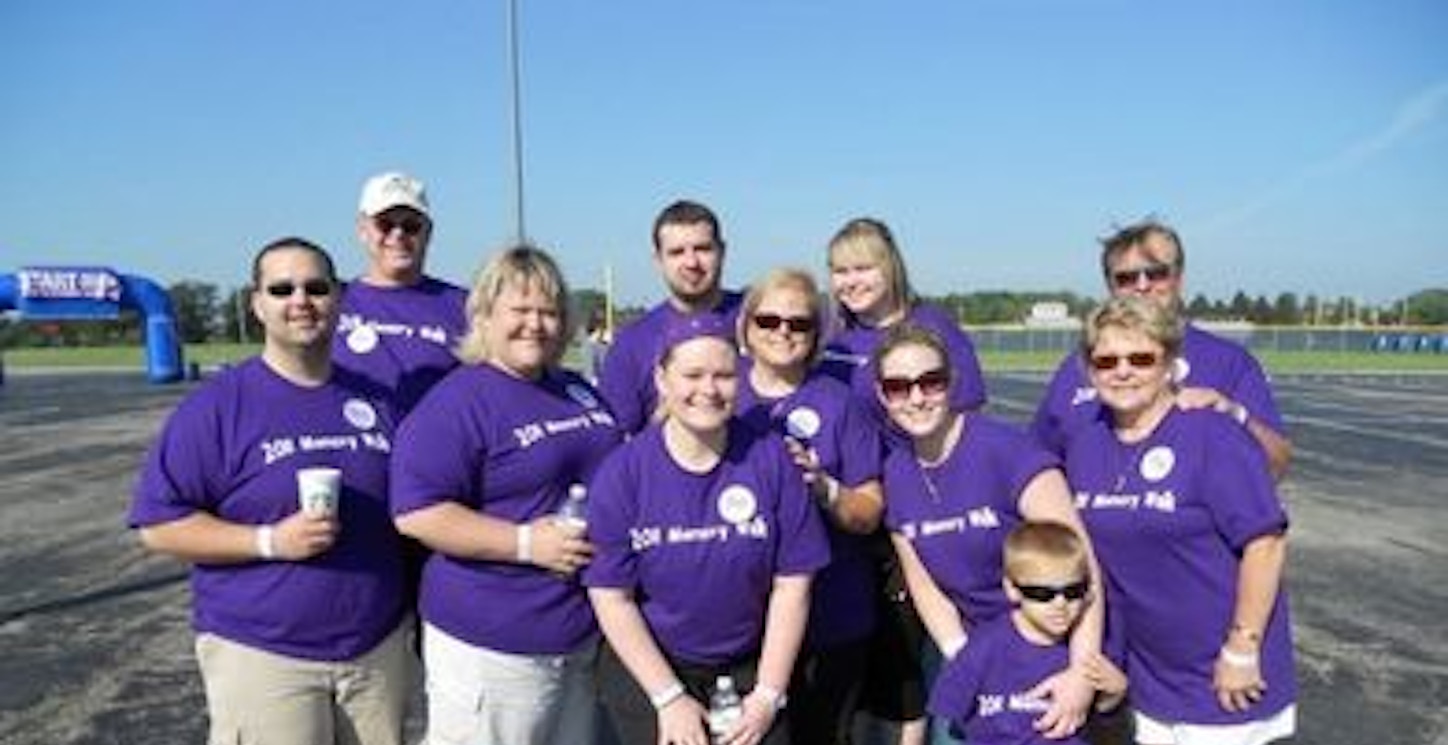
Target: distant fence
<point>1394,339</point>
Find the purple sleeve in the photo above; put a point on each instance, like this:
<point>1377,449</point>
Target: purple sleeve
<point>953,696</point>
<point>178,478</point>
<point>621,380</point>
<point>860,448</point>
<point>1048,425</point>
<point>612,511</point>
<point>1253,391</point>
<point>436,457</point>
<point>1239,489</point>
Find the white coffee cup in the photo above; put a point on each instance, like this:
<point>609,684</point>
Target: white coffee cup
<point>318,490</point>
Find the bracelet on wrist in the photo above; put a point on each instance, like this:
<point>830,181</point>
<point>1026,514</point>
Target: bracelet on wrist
<point>525,544</point>
<point>1238,659</point>
<point>773,696</point>
<point>266,542</point>
<point>666,695</point>
<point>1243,631</point>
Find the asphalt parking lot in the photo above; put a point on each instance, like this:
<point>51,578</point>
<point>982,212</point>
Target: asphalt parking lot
<point>95,636</point>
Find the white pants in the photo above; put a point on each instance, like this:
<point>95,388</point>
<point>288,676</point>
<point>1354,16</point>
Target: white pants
<point>1151,731</point>
<point>478,696</point>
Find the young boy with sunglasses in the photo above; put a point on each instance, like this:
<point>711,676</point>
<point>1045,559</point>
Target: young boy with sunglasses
<point>984,690</point>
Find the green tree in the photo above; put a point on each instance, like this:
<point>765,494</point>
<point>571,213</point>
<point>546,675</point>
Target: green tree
<point>195,306</point>
<point>1428,307</point>
<point>236,309</point>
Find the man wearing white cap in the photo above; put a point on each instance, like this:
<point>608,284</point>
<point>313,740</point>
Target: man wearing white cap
<point>398,325</point>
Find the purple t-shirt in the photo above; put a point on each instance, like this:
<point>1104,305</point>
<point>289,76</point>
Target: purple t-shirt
<point>232,449</point>
<point>701,551</point>
<point>1206,360</point>
<point>848,356</point>
<point>957,514</point>
<point>509,448</point>
<point>822,414</point>
<point>1169,517</point>
<point>627,379</point>
<point>401,337</point>
<point>982,691</point>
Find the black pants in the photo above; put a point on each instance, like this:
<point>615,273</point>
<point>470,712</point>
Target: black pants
<point>825,693</point>
<point>633,718</point>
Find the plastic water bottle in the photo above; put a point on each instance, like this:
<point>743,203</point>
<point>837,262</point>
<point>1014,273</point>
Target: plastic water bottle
<point>574,511</point>
<point>725,708</point>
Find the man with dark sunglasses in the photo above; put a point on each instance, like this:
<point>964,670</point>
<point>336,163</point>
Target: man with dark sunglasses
<point>1147,259</point>
<point>301,617</point>
<point>398,325</point>
<point>689,252</point>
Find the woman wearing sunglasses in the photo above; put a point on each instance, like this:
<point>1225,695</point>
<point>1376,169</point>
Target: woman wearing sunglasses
<point>872,294</point>
<point>953,494</point>
<point>837,448</point>
<point>1191,533</point>
<point>479,472</point>
<point>706,543</point>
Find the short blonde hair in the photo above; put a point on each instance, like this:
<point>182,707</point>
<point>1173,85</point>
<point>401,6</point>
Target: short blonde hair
<point>1133,313</point>
<point>784,278</point>
<point>1035,542</point>
<point>517,266</point>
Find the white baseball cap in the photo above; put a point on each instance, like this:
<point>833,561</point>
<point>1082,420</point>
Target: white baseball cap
<point>387,190</point>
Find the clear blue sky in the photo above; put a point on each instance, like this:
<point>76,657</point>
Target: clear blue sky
<point>1299,145</point>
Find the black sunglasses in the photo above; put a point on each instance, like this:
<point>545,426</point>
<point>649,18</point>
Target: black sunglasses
<point>1138,360</point>
<point>930,383</point>
<point>794,325</point>
<point>311,287</point>
<point>408,225</point>
<point>1047,593</point>
<point>1152,273</point>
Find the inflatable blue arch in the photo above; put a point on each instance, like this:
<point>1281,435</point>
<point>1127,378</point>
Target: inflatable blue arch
<point>71,293</point>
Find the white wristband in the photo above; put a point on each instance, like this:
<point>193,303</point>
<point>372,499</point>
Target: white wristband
<point>666,695</point>
<point>832,491</point>
<point>1237,659</point>
<point>773,696</point>
<point>266,546</point>
<point>525,544</point>
<point>952,647</point>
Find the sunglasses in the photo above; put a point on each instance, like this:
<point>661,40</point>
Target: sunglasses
<point>408,225</point>
<point>795,325</point>
<point>1046,593</point>
<point>1151,272</point>
<point>930,383</point>
<point>1138,360</point>
<point>312,288</point>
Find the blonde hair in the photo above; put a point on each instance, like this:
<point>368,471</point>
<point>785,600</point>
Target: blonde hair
<point>521,265</point>
<point>1133,313</point>
<point>871,240</point>
<point>784,278</point>
<point>1033,542</point>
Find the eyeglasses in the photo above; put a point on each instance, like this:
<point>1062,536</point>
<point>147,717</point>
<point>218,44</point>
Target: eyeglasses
<point>1151,272</point>
<point>794,325</point>
<point>1138,360</point>
<point>311,287</point>
<point>409,225</point>
<point>1047,593</point>
<point>930,383</point>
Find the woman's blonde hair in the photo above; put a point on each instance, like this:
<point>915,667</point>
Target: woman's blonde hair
<point>868,239</point>
<point>784,278</point>
<point>1134,313</point>
<point>521,265</point>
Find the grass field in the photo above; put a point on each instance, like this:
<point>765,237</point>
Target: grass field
<point>209,355</point>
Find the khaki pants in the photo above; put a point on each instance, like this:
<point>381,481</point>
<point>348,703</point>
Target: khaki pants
<point>256,697</point>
